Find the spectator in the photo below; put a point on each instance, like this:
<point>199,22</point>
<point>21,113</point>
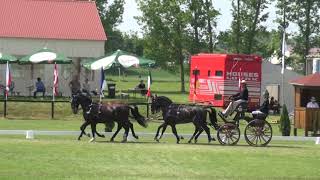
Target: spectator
<point>274,106</point>
<point>75,85</point>
<point>39,88</point>
<point>142,87</point>
<point>86,85</point>
<point>313,103</point>
<point>264,108</point>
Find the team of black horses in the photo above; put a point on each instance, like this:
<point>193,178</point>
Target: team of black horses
<point>173,114</point>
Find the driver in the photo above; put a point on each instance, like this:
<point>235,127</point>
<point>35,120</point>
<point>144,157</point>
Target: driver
<point>236,100</point>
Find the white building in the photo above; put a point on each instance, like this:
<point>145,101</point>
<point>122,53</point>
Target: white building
<point>69,27</point>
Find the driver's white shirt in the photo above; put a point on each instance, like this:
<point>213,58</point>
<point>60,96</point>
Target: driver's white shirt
<point>312,105</point>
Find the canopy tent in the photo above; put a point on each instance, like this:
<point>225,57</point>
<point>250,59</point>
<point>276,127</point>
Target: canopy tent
<point>45,56</point>
<point>4,58</point>
<point>123,58</point>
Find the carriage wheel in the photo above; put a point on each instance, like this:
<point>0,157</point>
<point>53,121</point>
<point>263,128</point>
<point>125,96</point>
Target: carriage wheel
<point>258,133</point>
<point>228,134</point>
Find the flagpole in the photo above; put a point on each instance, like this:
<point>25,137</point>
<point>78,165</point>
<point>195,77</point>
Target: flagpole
<point>53,99</point>
<point>283,55</point>
<point>7,80</point>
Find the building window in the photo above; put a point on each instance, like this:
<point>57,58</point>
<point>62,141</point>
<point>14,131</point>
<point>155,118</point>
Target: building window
<point>209,73</point>
<point>196,72</point>
<point>217,97</point>
<point>219,73</point>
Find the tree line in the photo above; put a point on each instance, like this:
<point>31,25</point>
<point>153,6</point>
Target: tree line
<point>173,30</point>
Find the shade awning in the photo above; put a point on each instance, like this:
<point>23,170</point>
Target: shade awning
<point>310,80</point>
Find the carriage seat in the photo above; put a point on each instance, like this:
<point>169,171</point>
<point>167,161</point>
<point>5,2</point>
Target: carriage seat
<point>259,115</point>
<point>240,111</point>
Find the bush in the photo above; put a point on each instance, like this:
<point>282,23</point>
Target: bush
<point>285,126</point>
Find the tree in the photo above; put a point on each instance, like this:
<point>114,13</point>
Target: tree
<point>305,13</point>
<point>246,24</point>
<point>165,23</point>
<point>285,126</point>
<point>111,16</point>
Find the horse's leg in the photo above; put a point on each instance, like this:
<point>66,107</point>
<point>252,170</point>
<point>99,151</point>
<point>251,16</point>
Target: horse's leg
<point>196,130</point>
<point>82,128</point>
<point>132,130</point>
<point>93,130</point>
<point>126,132</point>
<point>117,131</point>
<point>100,135</point>
<point>157,134</point>
<point>197,136</point>
<point>205,127</point>
<point>163,130</point>
<point>174,130</point>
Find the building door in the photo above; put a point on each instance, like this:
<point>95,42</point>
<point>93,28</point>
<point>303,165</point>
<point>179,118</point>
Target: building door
<point>274,90</point>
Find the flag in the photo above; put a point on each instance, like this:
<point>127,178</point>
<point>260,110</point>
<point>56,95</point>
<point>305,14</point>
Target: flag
<point>8,79</point>
<point>149,84</point>
<point>284,51</point>
<point>55,80</point>
<point>239,85</point>
<point>103,82</point>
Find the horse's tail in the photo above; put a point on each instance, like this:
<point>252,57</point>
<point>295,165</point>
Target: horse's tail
<point>213,117</point>
<point>137,116</point>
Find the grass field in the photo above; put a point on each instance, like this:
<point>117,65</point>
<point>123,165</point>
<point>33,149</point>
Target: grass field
<point>63,157</point>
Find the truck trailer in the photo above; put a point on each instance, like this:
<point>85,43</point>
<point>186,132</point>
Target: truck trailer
<point>215,77</point>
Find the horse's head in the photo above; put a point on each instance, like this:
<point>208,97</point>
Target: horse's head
<point>159,103</point>
<point>80,98</point>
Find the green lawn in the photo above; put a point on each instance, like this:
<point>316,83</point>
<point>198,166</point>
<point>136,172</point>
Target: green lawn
<point>63,157</point>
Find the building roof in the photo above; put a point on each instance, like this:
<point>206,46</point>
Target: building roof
<point>310,80</point>
<point>50,19</point>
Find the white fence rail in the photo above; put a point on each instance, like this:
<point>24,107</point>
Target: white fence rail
<point>31,133</point>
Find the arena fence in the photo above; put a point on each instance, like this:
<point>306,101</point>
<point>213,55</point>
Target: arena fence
<point>30,134</point>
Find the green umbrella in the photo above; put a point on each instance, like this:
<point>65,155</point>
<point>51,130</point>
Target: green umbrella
<point>4,58</point>
<point>123,58</point>
<point>45,56</point>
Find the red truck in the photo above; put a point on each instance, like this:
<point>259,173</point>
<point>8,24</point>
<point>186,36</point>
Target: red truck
<point>215,77</point>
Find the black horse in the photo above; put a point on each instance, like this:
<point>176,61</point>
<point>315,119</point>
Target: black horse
<point>179,114</point>
<point>95,113</point>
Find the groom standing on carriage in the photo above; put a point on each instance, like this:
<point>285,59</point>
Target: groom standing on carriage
<point>236,100</point>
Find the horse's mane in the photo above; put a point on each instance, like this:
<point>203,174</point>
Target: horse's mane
<point>164,98</point>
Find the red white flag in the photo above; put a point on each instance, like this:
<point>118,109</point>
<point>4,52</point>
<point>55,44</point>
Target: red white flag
<point>55,80</point>
<point>149,84</point>
<point>8,79</point>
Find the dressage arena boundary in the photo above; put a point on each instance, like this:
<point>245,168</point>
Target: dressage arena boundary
<point>30,134</point>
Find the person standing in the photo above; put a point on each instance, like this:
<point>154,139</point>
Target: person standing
<point>75,85</point>
<point>39,88</point>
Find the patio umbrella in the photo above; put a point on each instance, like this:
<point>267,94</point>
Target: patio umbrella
<point>123,58</point>
<point>45,56</point>
<point>4,58</point>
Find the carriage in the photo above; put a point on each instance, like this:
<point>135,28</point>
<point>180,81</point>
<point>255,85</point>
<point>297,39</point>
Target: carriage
<point>258,132</point>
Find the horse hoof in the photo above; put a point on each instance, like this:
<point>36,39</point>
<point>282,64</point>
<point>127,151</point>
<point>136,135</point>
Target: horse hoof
<point>195,141</point>
<point>181,137</point>
<point>178,142</point>
<point>137,137</point>
<point>213,139</point>
<point>111,140</point>
<point>189,142</point>
<point>92,140</point>
<point>123,141</point>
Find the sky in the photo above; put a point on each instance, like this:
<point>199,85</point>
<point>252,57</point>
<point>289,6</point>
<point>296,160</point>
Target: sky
<point>224,20</point>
